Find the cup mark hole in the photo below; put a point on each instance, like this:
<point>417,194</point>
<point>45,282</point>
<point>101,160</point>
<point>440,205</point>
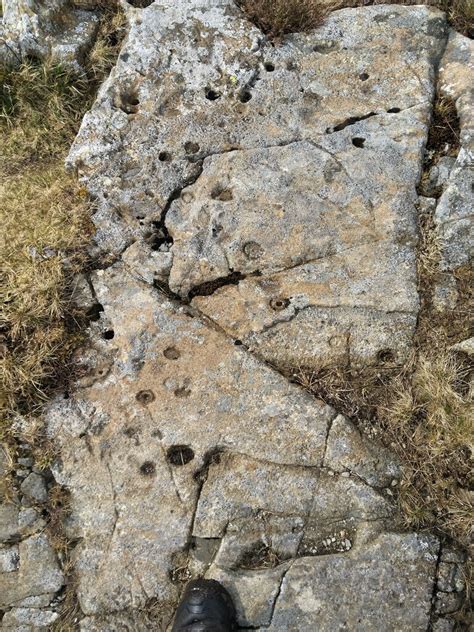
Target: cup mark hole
<point>358,142</point>
<point>148,468</point>
<point>164,156</point>
<point>191,148</point>
<point>363,76</point>
<point>109,334</point>
<point>269,67</point>
<point>245,96</point>
<point>386,356</point>
<point>145,397</point>
<point>212,95</point>
<point>171,353</point>
<point>179,455</point>
<point>182,391</point>
<point>278,304</point>
<point>224,195</point>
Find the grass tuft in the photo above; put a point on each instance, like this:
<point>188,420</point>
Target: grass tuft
<point>280,17</point>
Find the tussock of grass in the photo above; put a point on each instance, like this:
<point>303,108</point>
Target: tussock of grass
<point>279,17</point>
<point>44,215</point>
<point>423,412</point>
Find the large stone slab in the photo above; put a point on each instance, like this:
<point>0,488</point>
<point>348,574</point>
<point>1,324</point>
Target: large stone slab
<point>233,157</point>
<point>196,79</point>
<point>292,170</point>
<point>162,395</point>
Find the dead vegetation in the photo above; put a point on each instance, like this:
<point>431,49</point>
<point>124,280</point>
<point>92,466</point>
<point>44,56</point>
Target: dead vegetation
<point>280,17</point>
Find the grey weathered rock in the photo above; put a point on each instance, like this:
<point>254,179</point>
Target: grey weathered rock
<point>291,172</point>
<point>344,590</point>
<point>46,30</point>
<point>37,572</point>
<point>175,368</point>
<point>146,264</point>
<point>9,559</point>
<point>34,487</point>
<point>348,450</point>
<point>28,619</point>
<point>183,391</point>
<point>291,141</point>
<point>8,521</point>
<point>253,592</point>
<point>454,213</point>
<point>239,488</point>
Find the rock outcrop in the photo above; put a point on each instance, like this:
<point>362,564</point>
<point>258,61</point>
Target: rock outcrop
<point>56,30</point>
<point>259,207</point>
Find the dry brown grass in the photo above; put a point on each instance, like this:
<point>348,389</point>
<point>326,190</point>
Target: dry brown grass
<point>279,17</point>
<point>44,217</point>
<point>45,220</point>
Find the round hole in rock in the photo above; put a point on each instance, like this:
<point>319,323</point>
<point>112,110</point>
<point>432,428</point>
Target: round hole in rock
<point>278,304</point>
<point>147,468</point>
<point>394,110</point>
<point>109,334</point>
<point>179,455</point>
<point>358,142</point>
<point>140,4</point>
<point>93,313</point>
<point>385,356</point>
<point>269,67</point>
<point>191,148</point>
<point>363,76</point>
<point>237,343</point>
<point>211,94</point>
<point>145,397</point>
<point>164,156</point>
<point>171,353</point>
<point>245,96</point>
<point>129,103</point>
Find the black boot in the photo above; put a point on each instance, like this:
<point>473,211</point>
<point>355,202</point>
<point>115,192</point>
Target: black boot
<point>205,606</point>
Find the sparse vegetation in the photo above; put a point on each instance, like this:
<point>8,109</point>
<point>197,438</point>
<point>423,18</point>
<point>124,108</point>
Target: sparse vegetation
<point>45,220</point>
<point>279,17</point>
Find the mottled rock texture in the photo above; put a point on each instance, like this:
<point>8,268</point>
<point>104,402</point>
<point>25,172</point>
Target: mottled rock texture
<point>258,206</point>
<point>292,169</point>
<point>454,213</point>
<point>54,30</point>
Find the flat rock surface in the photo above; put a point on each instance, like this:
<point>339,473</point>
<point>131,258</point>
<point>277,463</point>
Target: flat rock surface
<point>258,205</point>
<point>294,166</point>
